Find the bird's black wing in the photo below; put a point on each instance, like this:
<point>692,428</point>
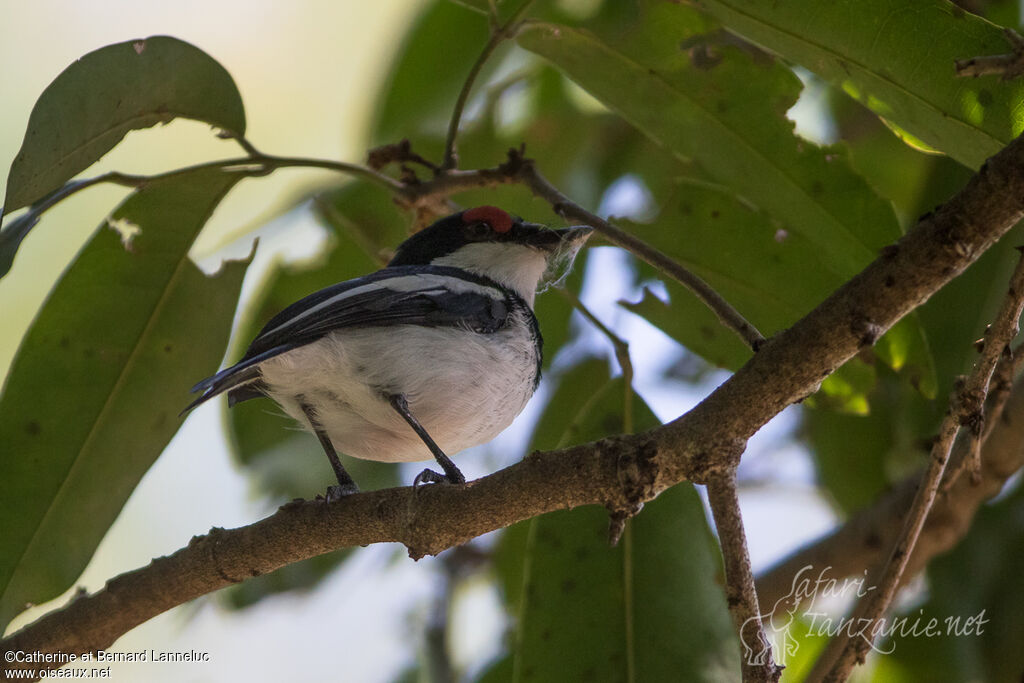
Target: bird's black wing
<point>423,295</point>
<point>430,296</point>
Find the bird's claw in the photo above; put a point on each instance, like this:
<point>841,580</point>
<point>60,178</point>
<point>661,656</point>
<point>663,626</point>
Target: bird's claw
<point>429,476</point>
<point>337,492</point>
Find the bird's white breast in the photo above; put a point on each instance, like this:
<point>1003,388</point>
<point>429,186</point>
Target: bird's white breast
<point>463,387</point>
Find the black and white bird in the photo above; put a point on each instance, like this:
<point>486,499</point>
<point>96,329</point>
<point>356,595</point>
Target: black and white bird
<point>437,352</point>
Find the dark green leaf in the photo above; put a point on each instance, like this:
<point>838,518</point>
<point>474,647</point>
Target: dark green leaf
<point>976,581</point>
<point>772,277</point>
<point>499,671</point>
<point>429,72</point>
<point>16,231</point>
<point>897,59</point>
<point>851,452</point>
<point>114,351</point>
<point>649,609</point>
<point>798,221</point>
<point>729,118</point>
<point>693,325</point>
<point>93,103</point>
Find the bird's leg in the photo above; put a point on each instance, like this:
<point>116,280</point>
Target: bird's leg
<point>451,475</point>
<point>346,485</point>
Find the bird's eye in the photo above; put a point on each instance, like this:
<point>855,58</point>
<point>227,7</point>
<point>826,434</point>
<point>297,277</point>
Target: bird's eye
<point>479,229</point>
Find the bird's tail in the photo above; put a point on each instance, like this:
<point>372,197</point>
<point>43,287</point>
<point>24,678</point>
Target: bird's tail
<point>242,379</point>
<point>227,379</point>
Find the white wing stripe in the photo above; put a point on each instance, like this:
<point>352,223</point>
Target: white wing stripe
<point>426,283</point>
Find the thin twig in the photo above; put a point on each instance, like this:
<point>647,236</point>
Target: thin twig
<point>430,197</point>
<point>1008,363</point>
<point>242,141</point>
<point>865,539</point>
<point>995,345</point>
<point>423,197</point>
<point>1001,386</point>
<point>618,516</point>
<point>845,651</point>
<point>619,345</point>
<point>254,166</point>
<point>757,661</point>
<point>1008,66</point>
<point>568,209</point>
<point>498,35</point>
<point>398,152</point>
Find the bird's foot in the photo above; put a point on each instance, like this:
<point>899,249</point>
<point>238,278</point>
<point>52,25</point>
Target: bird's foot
<point>429,476</point>
<point>339,491</point>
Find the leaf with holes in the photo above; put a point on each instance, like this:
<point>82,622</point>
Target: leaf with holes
<point>93,103</point>
<point>897,59</point>
<point>114,350</point>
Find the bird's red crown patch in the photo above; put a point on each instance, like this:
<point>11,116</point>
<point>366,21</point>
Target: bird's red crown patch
<point>499,220</point>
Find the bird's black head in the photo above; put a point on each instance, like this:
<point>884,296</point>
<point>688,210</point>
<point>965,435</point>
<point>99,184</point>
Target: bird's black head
<point>493,243</point>
<point>482,225</point>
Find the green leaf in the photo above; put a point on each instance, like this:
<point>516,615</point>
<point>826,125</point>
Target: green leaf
<point>770,276</point>
<point>773,222</point>
<point>692,324</point>
<point>16,231</point>
<point>93,103</point>
<point>429,71</point>
<point>729,118</point>
<point>897,59</point>
<point>914,182</point>
<point>851,452</point>
<point>122,337</point>
<point>649,609</point>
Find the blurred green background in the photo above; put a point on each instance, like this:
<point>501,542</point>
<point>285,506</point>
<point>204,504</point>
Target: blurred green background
<point>329,79</point>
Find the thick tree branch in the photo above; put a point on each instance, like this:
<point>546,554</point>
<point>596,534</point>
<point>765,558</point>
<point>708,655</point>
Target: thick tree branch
<point>427,520</point>
<point>704,442</point>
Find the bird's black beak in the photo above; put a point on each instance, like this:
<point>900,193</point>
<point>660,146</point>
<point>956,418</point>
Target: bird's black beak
<point>576,235</point>
<point>555,240</point>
